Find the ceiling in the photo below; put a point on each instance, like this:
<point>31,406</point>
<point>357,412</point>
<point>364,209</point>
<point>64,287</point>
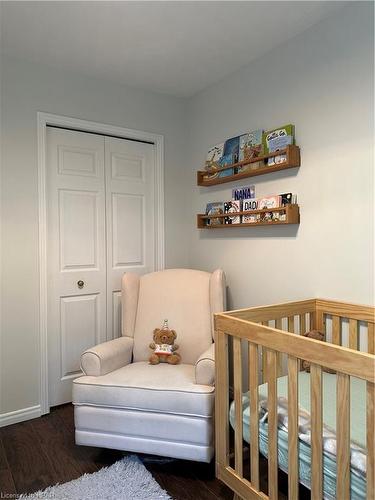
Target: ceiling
<point>176,48</point>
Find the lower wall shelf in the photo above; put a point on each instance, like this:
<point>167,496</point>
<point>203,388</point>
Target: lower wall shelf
<point>289,214</point>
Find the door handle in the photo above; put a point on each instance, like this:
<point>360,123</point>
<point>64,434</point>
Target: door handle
<point>80,284</point>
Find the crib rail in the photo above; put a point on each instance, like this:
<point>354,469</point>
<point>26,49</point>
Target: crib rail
<point>265,345</point>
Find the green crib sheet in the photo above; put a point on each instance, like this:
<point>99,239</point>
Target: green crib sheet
<point>357,430</point>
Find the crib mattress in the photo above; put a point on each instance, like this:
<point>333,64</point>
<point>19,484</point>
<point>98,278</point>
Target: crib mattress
<point>357,429</point>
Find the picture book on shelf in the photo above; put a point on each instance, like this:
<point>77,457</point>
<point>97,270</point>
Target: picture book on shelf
<point>243,192</point>
<point>232,207</point>
<point>277,139</point>
<point>251,146</point>
<point>215,208</point>
<point>223,162</point>
<point>286,199</point>
<point>231,148</point>
<point>215,153</point>
<point>269,202</point>
<point>248,205</point>
<point>213,158</point>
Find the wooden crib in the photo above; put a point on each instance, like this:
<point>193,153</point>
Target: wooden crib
<point>270,339</point>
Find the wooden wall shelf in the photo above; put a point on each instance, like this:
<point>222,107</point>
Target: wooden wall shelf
<point>292,160</point>
<point>291,212</point>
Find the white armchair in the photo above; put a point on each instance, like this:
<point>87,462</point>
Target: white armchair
<point>123,402</point>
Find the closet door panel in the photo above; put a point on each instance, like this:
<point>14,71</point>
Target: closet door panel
<point>128,245</point>
<point>78,242</point>
<point>130,184</point>
<point>76,254</point>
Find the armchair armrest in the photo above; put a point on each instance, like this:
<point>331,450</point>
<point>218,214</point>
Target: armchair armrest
<point>107,357</point>
<point>205,367</point>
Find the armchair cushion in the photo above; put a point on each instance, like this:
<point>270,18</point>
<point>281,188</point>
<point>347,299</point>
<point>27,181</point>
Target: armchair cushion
<point>143,387</point>
<point>205,367</point>
<point>106,357</point>
<point>183,297</point>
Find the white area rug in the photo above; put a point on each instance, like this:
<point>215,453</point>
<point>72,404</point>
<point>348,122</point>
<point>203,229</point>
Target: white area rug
<point>127,479</point>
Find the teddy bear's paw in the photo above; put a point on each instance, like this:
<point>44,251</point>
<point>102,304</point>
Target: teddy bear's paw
<point>154,359</point>
<point>174,359</point>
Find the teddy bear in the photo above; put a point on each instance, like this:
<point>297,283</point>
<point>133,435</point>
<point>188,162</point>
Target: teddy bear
<point>317,335</point>
<point>164,347</point>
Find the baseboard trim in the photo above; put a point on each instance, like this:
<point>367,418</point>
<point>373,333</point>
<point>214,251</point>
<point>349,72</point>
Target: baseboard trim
<point>13,417</point>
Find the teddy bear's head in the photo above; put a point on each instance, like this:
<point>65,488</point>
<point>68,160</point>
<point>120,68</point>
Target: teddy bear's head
<point>315,334</point>
<point>164,336</point>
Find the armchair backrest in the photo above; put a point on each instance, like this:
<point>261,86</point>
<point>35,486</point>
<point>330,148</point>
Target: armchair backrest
<point>187,298</point>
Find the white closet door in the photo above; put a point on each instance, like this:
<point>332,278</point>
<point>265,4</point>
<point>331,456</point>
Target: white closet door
<point>130,185</point>
<point>76,254</point>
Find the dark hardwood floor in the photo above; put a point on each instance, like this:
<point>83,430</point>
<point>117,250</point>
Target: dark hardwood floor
<point>41,452</point>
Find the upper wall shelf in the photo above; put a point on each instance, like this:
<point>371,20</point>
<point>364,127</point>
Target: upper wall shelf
<point>292,153</point>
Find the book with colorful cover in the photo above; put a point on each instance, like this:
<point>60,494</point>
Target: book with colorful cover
<point>243,192</point>
<point>232,148</point>
<point>251,146</point>
<point>223,162</point>
<point>215,208</point>
<point>269,202</point>
<point>276,139</point>
<point>214,155</point>
<point>286,199</point>
<point>230,156</point>
<point>280,143</point>
<point>230,207</point>
<point>249,205</point>
<point>280,133</point>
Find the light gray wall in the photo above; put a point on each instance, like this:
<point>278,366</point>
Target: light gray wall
<point>26,89</point>
<point>322,81</point>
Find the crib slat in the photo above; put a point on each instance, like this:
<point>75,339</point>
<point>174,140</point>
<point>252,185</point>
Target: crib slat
<point>291,324</point>
<point>343,436</point>
<point>279,326</point>
<point>293,428</point>
<point>336,330</point>
<point>237,379</point>
<point>264,359</point>
<point>272,425</point>
<point>254,414</point>
<point>353,334</point>
<point>264,365</point>
<point>222,399</point>
<point>302,324</point>
<point>370,424</point>
<point>316,431</point>
<point>370,338</point>
<point>302,330</point>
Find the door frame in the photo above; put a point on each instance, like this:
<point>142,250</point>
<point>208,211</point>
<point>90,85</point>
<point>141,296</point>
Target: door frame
<point>44,119</point>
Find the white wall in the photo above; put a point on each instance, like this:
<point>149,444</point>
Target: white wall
<point>322,81</point>
<point>26,89</point>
